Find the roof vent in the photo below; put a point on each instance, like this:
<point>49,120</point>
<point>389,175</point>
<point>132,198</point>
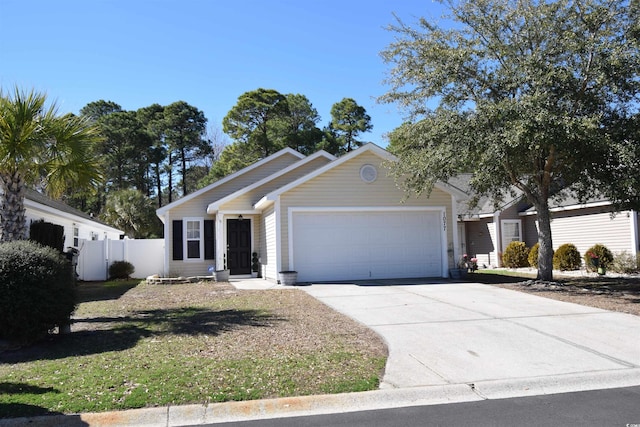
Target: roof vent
<point>368,173</point>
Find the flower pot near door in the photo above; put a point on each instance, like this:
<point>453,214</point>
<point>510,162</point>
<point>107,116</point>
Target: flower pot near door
<point>288,278</point>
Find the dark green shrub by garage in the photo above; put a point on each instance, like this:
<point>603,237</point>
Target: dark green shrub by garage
<point>37,290</point>
<point>121,270</point>
<point>516,255</point>
<point>567,257</point>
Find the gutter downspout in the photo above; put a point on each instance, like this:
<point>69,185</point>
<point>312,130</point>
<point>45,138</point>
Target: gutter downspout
<point>496,221</point>
<point>635,234</point>
<point>167,236</point>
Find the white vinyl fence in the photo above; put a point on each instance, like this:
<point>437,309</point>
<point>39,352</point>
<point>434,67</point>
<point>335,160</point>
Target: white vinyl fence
<point>95,257</point>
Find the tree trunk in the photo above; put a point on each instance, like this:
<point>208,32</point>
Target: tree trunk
<point>158,183</point>
<point>13,223</point>
<point>170,176</point>
<point>545,253</point>
<point>184,172</point>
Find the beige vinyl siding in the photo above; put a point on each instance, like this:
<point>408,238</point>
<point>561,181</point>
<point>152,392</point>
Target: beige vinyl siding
<point>247,200</point>
<point>586,227</point>
<point>268,252</point>
<point>186,268</point>
<point>197,208</point>
<point>342,187</point>
<point>256,235</point>
<point>511,212</point>
<point>480,241</point>
<point>530,230</point>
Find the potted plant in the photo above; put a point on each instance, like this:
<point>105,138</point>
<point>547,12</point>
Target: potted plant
<point>288,278</point>
<point>255,265</point>
<point>460,272</point>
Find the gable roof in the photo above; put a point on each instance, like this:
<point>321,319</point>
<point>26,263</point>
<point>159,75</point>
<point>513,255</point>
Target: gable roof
<point>213,207</point>
<point>33,197</point>
<point>486,206</point>
<point>161,211</point>
<point>369,147</point>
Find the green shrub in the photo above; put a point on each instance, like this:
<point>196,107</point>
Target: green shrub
<point>37,290</point>
<point>533,255</point>
<point>625,263</point>
<point>603,255</point>
<point>567,257</point>
<point>516,255</point>
<point>121,270</point>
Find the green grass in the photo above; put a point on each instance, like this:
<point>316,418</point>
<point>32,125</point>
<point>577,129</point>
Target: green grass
<point>142,346</point>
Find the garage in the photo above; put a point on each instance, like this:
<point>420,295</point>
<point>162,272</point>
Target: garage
<point>369,243</point>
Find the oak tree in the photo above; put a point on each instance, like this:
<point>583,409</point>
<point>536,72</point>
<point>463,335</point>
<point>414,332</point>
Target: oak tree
<point>526,94</point>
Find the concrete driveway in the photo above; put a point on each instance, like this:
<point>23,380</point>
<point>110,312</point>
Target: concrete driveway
<point>497,342</point>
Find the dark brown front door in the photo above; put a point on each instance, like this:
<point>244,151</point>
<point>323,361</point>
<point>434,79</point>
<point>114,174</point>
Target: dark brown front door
<point>239,246</point>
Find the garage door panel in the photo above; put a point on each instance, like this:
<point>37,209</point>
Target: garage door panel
<point>361,245</point>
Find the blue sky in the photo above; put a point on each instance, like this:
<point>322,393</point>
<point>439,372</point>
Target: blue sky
<point>204,52</point>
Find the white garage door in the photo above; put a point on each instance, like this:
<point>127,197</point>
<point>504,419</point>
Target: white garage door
<point>374,244</point>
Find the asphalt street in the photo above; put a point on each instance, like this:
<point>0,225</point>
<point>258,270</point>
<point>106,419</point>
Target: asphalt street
<point>613,407</point>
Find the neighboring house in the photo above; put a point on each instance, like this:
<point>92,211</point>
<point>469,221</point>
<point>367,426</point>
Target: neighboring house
<point>486,230</point>
<point>326,218</point>
<point>77,225</point>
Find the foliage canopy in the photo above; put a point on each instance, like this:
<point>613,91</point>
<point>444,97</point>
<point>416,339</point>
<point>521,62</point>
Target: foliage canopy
<point>40,148</point>
<point>540,96</point>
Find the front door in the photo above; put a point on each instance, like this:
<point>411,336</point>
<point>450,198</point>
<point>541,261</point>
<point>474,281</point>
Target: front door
<point>239,246</point>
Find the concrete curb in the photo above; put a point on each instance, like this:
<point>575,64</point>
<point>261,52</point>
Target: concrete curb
<point>338,403</point>
<point>257,409</point>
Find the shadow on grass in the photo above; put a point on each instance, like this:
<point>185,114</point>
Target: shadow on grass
<point>103,291</point>
<point>627,284</point>
<point>13,409</point>
<point>630,285</point>
<point>104,334</point>
<point>492,278</point>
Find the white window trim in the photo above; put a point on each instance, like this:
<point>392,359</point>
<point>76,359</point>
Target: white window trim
<point>185,239</point>
<point>75,231</point>
<point>518,222</point>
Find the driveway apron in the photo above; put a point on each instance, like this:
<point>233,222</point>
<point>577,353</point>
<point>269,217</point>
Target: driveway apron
<point>466,333</point>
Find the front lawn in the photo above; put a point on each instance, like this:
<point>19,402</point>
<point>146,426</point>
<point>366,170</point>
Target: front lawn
<point>153,345</point>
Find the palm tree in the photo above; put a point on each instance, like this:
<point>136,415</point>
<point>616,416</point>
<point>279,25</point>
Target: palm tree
<point>39,147</point>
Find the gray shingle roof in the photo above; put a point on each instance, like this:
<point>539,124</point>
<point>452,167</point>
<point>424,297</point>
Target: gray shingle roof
<point>37,197</point>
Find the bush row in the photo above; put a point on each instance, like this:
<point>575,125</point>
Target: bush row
<point>567,257</point>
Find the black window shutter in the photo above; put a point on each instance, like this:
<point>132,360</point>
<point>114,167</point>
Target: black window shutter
<point>177,240</point>
<point>209,239</point>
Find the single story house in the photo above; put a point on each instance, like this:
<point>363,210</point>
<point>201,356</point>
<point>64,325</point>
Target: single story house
<point>487,229</point>
<point>77,224</point>
<point>327,218</point>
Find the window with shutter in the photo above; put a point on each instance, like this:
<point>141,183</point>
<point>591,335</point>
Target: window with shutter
<point>177,240</point>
